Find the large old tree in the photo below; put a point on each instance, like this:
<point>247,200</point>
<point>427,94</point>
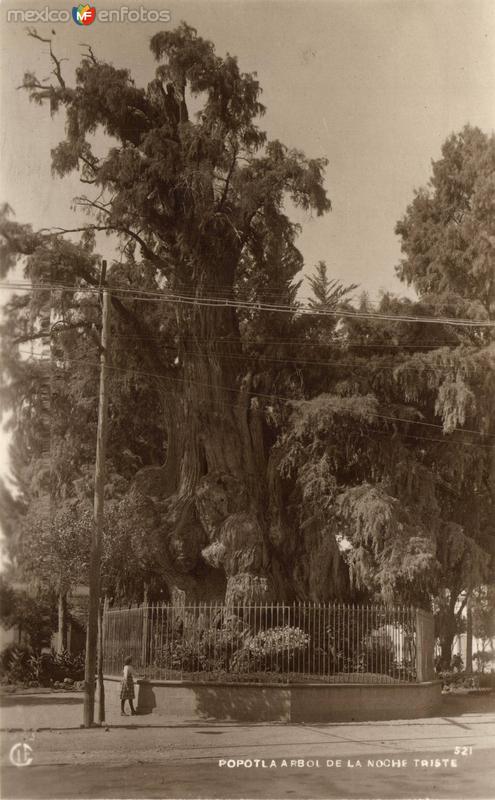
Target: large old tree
<point>255,455</point>
<point>196,195</point>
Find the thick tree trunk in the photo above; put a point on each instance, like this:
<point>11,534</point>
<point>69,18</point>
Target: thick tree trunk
<point>448,632</point>
<point>226,533</point>
<point>215,519</point>
<point>446,645</point>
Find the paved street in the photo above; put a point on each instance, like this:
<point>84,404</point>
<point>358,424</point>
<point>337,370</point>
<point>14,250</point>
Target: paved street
<point>137,757</point>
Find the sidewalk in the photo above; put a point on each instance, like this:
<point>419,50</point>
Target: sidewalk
<point>136,757</point>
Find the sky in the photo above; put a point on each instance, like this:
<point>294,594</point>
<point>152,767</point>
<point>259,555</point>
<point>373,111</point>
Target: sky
<point>373,86</point>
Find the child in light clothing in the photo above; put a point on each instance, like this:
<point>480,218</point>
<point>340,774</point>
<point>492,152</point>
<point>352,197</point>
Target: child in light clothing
<point>127,689</point>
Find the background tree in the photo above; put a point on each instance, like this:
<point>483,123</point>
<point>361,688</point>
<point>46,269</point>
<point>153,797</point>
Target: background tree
<point>448,241</point>
<point>33,617</point>
<point>51,359</point>
<point>483,612</point>
<point>394,444</point>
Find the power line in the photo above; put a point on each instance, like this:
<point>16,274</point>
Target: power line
<point>225,290</point>
<point>327,363</point>
<point>433,439</point>
<point>310,362</point>
<point>258,306</point>
<point>299,342</point>
<point>215,404</point>
<point>373,369</point>
<point>261,357</point>
<point>339,340</point>
<point>270,396</point>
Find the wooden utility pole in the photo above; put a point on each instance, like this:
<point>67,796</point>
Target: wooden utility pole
<point>62,622</point>
<point>101,683</point>
<point>97,533</point>
<point>469,635</point>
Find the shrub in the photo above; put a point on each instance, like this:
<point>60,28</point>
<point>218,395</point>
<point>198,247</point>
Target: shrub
<point>457,663</point>
<point>181,655</point>
<point>379,654</point>
<point>69,665</point>
<point>483,658</point>
<point>344,643</point>
<point>451,679</point>
<point>487,680</point>
<point>21,665</point>
<point>353,645</point>
<point>274,648</point>
<point>195,648</point>
<point>232,647</point>
<point>223,645</point>
<point>16,663</point>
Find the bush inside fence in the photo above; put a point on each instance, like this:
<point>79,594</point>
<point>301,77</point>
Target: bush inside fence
<point>263,642</point>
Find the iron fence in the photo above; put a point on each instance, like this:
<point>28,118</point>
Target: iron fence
<point>271,642</point>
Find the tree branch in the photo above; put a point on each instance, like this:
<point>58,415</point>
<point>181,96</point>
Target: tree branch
<point>90,53</point>
<point>227,180</point>
<point>117,228</point>
<point>43,334</point>
<point>90,164</point>
<point>146,249</point>
<point>57,61</point>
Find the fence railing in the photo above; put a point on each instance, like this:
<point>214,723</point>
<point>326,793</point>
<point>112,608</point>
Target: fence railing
<point>278,642</point>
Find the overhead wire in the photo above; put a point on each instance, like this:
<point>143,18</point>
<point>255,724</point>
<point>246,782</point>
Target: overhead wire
<point>343,342</point>
<point>301,342</point>
<point>293,359</point>
<point>262,357</point>
<point>327,363</point>
<point>229,290</point>
<point>222,404</point>
<point>269,396</point>
<point>219,303</point>
<point>215,404</point>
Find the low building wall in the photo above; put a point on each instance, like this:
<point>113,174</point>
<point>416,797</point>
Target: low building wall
<point>187,701</point>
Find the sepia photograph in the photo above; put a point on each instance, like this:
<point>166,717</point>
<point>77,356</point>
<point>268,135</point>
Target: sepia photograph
<point>247,400</point>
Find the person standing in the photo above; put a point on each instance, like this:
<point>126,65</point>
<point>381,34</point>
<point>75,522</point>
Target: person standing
<point>127,688</point>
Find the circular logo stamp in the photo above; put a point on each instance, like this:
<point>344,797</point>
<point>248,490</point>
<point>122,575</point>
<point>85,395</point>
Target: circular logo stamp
<point>21,754</point>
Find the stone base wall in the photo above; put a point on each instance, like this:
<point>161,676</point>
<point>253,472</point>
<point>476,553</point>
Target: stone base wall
<point>186,702</point>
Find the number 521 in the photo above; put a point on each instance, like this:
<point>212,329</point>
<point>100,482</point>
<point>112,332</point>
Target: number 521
<point>463,751</point>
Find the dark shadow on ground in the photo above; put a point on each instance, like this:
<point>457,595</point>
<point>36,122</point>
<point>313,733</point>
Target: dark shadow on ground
<point>118,726</point>
<point>146,700</point>
<point>240,703</point>
<point>455,705</point>
<point>38,700</point>
<point>143,725</point>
